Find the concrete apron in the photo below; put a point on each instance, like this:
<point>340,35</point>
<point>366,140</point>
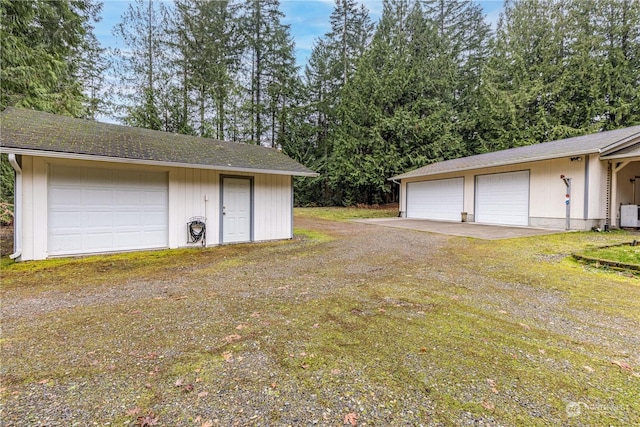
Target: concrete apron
<point>463,229</point>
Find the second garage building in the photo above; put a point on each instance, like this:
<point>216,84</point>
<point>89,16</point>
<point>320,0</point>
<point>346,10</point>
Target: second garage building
<point>574,183</point>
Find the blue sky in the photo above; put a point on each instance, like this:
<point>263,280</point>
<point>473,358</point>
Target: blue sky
<point>309,20</point>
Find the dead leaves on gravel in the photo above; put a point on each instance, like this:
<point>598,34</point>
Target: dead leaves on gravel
<point>351,419</point>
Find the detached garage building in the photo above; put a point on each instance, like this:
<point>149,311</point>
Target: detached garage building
<point>575,183</point>
<point>86,187</point>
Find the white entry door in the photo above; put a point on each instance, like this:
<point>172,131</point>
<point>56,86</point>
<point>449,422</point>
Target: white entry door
<point>236,210</point>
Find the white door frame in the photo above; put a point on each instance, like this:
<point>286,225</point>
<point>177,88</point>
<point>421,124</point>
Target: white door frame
<point>250,179</point>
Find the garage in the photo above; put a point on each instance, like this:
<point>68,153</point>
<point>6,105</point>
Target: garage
<point>104,210</point>
<point>503,198</point>
<point>440,199</point>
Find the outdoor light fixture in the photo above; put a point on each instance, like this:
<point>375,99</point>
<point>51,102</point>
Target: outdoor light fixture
<point>576,159</point>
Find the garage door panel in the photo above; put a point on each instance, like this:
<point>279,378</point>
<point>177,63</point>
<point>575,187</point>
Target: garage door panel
<point>103,210</point>
<point>441,199</point>
<point>154,219</point>
<point>503,198</point>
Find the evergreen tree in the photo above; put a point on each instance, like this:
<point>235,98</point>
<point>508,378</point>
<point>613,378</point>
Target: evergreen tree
<point>466,36</point>
<point>142,66</point>
<point>207,57</point>
<point>396,113</point>
<point>46,50</point>
<point>620,62</point>
<point>42,44</point>
<point>522,84</point>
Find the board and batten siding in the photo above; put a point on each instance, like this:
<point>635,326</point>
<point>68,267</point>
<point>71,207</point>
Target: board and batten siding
<point>192,192</point>
<point>273,201</point>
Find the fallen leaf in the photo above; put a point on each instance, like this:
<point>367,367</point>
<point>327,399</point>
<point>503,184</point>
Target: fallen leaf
<point>178,383</point>
<point>274,385</point>
<point>623,365</point>
<point>423,349</point>
<point>316,325</point>
<point>255,314</point>
<point>133,411</point>
<point>351,418</point>
<point>541,351</point>
<point>588,368</point>
<point>304,366</point>
<point>147,420</point>
<point>527,327</point>
<point>502,312</point>
<point>488,405</point>
<point>203,394</point>
<point>207,423</point>
<point>188,388</point>
<point>241,327</point>
<point>492,384</point>
<point>227,356</point>
<point>232,338</point>
<point>45,381</point>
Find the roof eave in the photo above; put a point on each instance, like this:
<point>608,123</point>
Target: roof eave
<point>494,165</point>
<point>619,145</point>
<point>76,156</point>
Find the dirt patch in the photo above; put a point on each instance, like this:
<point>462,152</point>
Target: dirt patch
<point>6,240</point>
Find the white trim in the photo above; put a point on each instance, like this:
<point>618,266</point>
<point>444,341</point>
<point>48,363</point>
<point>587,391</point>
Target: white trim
<point>17,208</point>
<point>492,164</point>
<point>75,156</point>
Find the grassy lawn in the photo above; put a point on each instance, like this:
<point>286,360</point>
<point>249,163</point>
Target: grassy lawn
<point>622,254</point>
<point>345,214</point>
<point>393,327</point>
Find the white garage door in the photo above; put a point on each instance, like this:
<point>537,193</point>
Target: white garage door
<point>104,210</point>
<point>503,198</point>
<point>441,199</point>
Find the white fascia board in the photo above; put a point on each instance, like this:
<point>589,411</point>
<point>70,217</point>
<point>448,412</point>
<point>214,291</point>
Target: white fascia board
<point>75,156</point>
<point>493,165</point>
<point>619,145</point>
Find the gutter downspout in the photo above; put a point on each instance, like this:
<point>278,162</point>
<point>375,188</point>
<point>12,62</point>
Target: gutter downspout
<point>17,208</point>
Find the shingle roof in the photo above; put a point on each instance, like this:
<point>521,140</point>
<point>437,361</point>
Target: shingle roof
<point>29,131</point>
<point>575,146</point>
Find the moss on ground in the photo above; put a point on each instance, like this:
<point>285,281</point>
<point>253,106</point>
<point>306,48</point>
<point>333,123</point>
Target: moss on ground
<point>468,332</point>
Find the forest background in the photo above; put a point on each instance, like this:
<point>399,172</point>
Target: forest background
<point>429,81</point>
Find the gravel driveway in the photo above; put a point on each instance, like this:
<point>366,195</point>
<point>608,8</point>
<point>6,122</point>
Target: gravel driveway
<point>365,326</point>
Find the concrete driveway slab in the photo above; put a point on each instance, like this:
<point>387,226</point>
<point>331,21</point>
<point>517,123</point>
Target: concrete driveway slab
<point>463,229</point>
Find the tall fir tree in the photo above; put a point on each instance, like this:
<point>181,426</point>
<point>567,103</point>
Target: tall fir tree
<point>207,58</point>
<point>466,36</point>
<point>397,111</point>
<point>43,50</point>
<point>142,65</point>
